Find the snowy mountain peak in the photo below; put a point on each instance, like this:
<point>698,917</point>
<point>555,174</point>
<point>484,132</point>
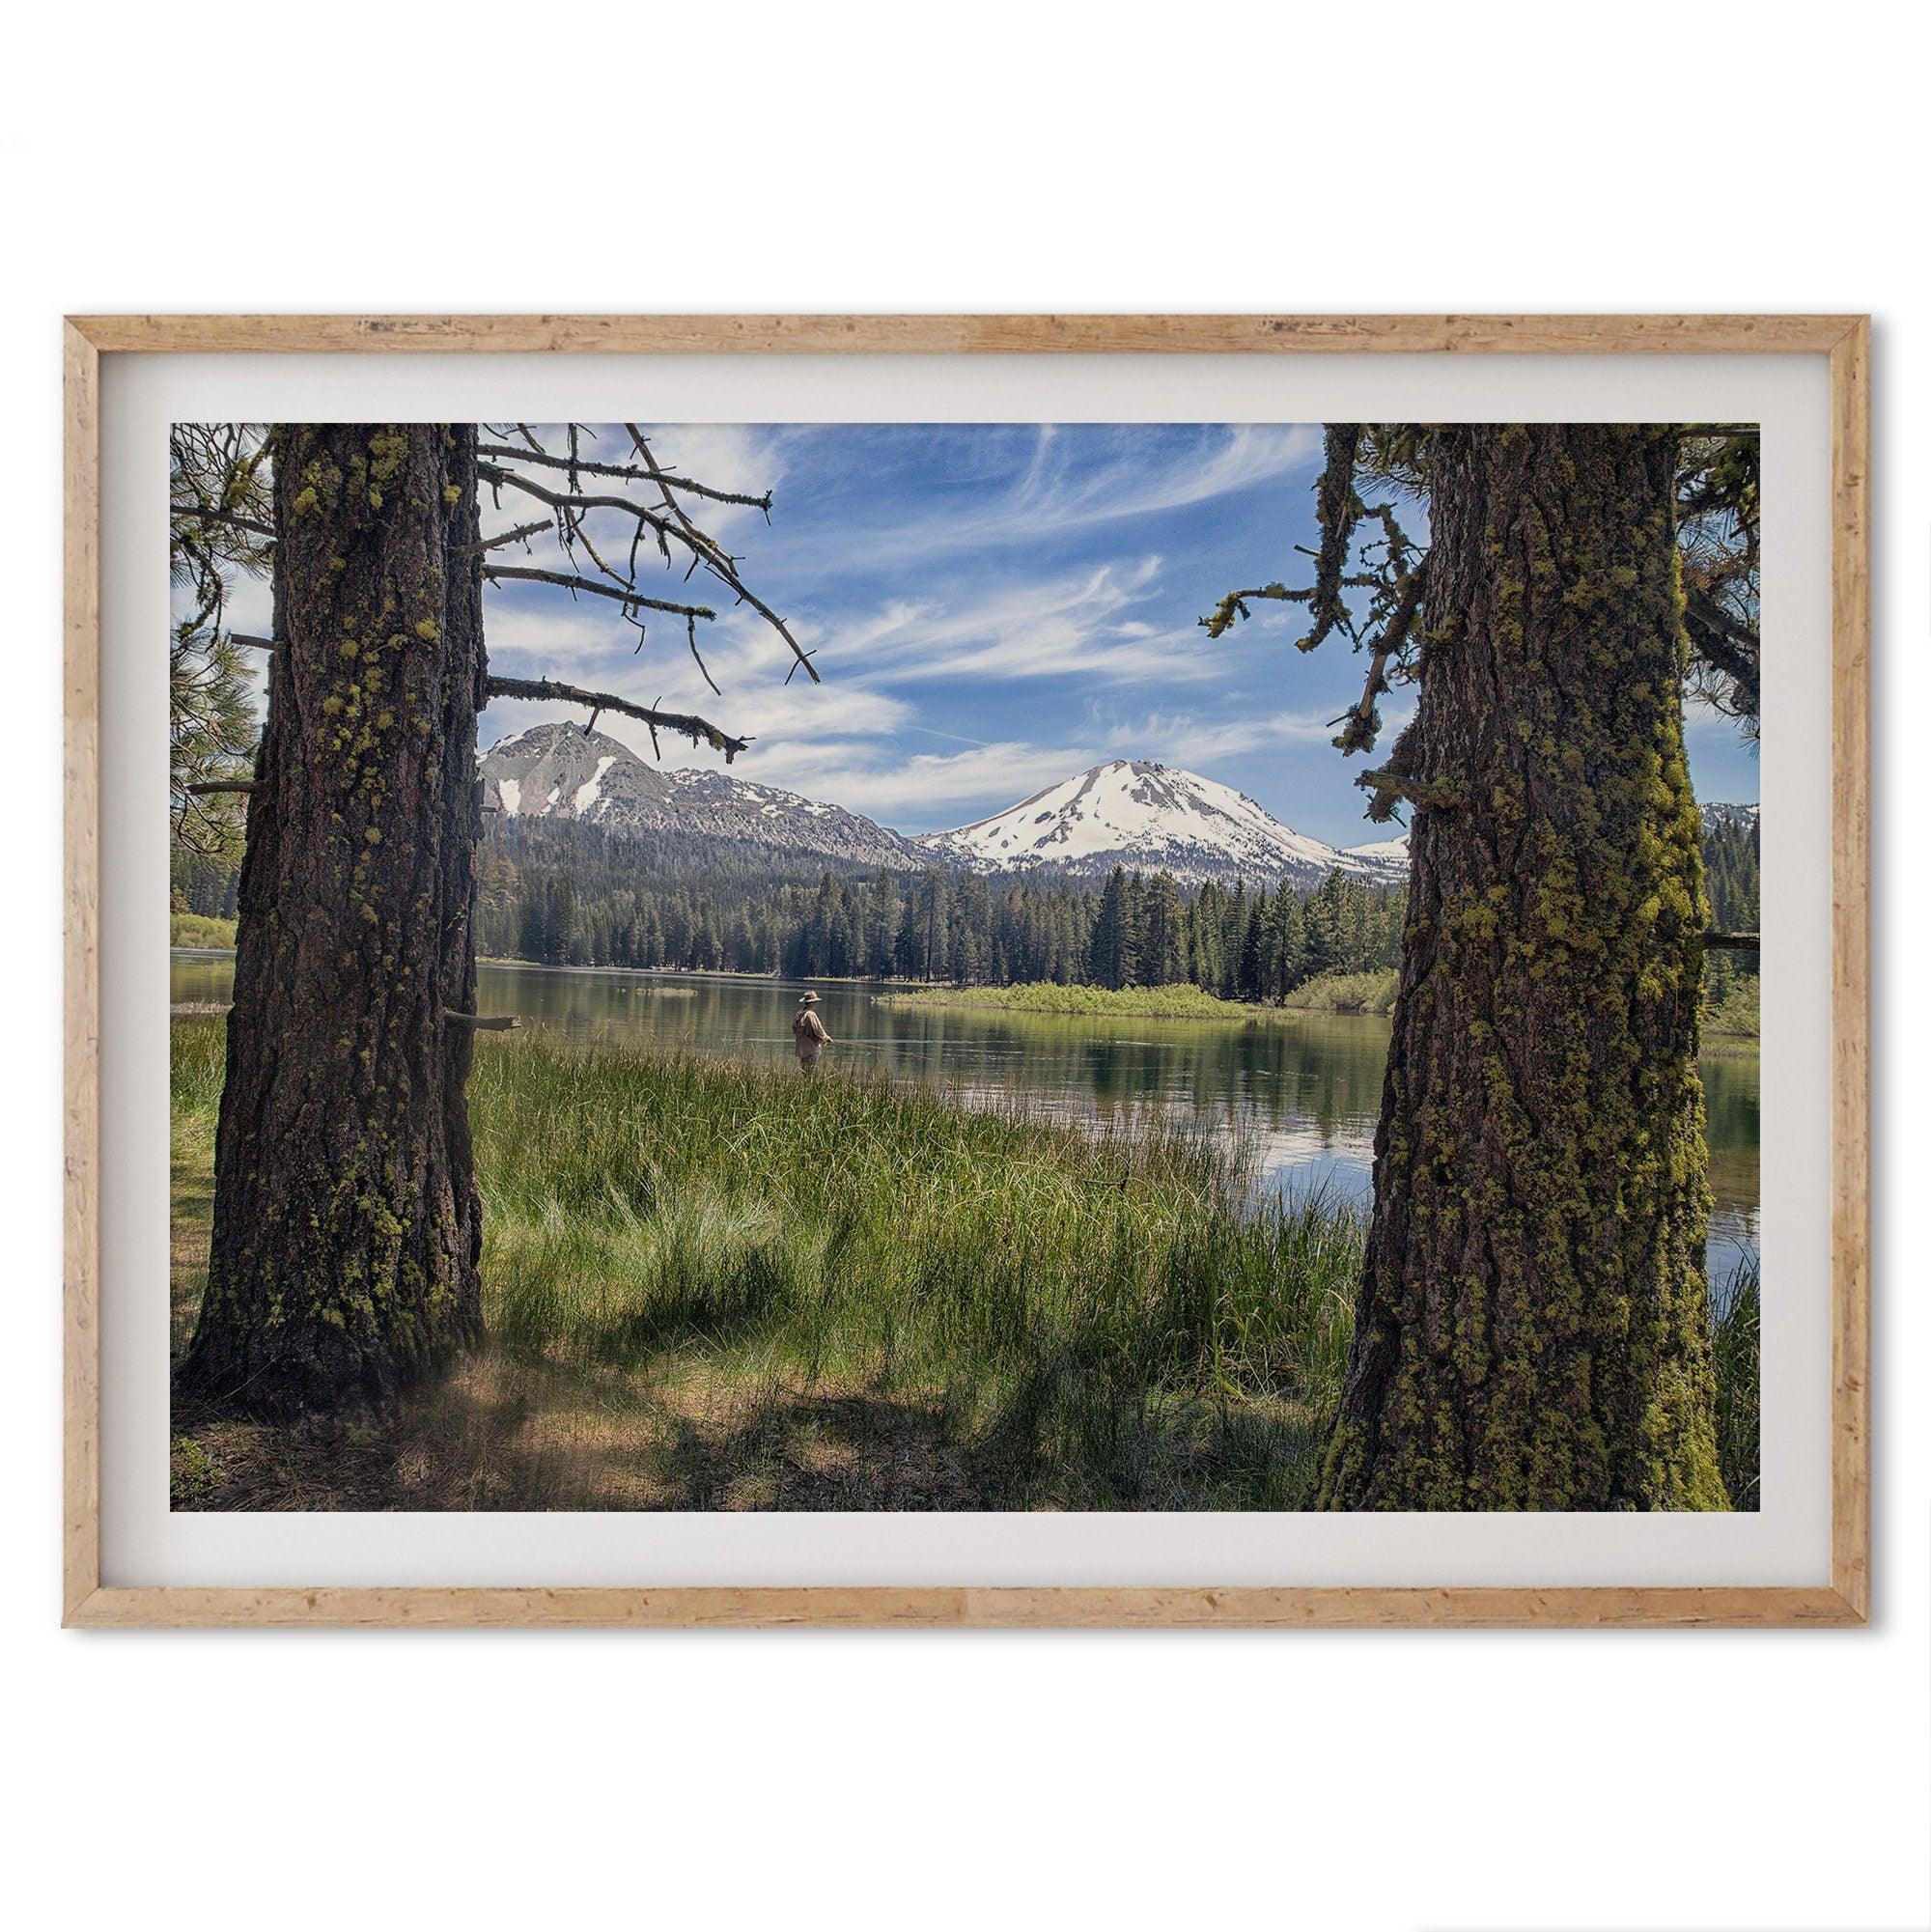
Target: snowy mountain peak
<point>1136,813</point>
<point>1131,811</point>
<point>562,772</point>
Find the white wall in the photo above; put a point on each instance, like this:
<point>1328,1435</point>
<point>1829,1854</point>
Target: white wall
<point>1122,158</point>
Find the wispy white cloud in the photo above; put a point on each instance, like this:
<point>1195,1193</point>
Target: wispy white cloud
<point>1186,739</point>
<point>1701,719</point>
<point>747,660</point>
<point>926,792</point>
<point>1062,491</point>
<point>545,631</point>
<point>1073,622</point>
<point>1189,737</point>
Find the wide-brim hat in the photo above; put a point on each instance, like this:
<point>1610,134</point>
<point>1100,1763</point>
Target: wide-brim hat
<point>807,999</point>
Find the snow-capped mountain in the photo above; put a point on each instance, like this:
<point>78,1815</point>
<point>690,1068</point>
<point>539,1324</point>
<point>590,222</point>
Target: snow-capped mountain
<point>562,772</point>
<point>559,770</point>
<point>1131,812</point>
<point>1385,852</point>
<point>1153,817</point>
<point>1730,817</point>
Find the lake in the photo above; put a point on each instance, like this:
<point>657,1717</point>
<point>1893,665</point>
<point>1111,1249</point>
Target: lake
<point>1304,1094</point>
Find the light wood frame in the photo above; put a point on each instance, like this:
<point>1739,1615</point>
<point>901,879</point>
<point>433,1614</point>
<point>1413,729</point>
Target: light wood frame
<point>1845,340</point>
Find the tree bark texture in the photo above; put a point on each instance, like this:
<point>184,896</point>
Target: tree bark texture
<point>1532,1323</point>
<point>346,1225</point>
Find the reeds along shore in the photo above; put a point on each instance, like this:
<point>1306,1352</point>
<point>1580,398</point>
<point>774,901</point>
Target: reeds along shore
<point>712,1284</point>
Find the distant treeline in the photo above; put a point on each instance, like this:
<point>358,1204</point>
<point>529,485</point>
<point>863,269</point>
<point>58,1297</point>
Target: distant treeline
<point>569,894</point>
<point>572,896</point>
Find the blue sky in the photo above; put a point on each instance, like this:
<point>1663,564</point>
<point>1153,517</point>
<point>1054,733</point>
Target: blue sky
<point>992,608</point>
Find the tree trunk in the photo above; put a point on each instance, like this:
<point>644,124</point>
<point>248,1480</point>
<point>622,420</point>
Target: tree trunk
<point>1533,1325</point>
<point>347,1224</point>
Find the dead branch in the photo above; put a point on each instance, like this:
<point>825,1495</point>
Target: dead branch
<point>615,592</point>
<point>1391,788</point>
<point>628,472</point>
<point>546,690</point>
<point>571,506</point>
<point>1364,723</point>
<point>515,536</point>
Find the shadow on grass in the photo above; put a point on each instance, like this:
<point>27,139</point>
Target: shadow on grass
<point>500,1433</point>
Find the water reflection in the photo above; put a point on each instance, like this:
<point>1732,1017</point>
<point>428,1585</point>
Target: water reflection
<point>1304,1096</point>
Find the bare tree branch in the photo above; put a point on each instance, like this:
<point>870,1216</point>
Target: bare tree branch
<point>666,524</point>
<point>515,536</point>
<point>1363,724</point>
<point>629,472</point>
<point>615,592</point>
<point>546,689</point>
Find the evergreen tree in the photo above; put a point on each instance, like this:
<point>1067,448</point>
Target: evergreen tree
<point>1542,1088</point>
<point>347,1223</point>
<point>1164,945</point>
<point>1114,956</point>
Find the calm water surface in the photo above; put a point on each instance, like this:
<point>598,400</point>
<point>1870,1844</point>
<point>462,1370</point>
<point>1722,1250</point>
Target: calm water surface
<point>1304,1095</point>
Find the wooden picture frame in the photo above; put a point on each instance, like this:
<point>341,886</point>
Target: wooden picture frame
<point>1845,1600</point>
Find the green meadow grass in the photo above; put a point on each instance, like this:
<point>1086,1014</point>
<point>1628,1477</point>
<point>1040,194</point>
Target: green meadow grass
<point>1346,992</point>
<point>710,1285</point>
<point>1059,1318</point>
<point>1130,1002</point>
<point>194,929</point>
<point>1371,993</point>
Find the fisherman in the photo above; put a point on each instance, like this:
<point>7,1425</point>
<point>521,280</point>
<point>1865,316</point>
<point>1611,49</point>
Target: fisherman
<point>809,1034</point>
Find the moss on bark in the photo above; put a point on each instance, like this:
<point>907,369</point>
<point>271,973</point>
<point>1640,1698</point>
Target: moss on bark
<point>1533,1325</point>
<point>347,1227</point>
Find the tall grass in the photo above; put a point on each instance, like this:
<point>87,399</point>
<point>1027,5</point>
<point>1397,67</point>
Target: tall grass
<point>1093,1318</point>
<point>711,1284</point>
<point>1060,1318</point>
<point>1738,1335</point>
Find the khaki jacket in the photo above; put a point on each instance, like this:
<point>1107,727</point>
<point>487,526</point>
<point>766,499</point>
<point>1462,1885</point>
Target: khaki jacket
<point>808,1031</point>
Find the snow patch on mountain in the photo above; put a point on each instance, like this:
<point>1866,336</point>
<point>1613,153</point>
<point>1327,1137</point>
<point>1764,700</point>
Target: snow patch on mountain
<point>1730,818</point>
<point>1138,813</point>
<point>1380,852</point>
<point>600,780</point>
<point>1130,812</point>
<point>590,789</point>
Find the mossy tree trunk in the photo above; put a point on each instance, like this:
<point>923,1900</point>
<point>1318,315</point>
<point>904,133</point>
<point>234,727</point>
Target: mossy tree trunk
<point>347,1224</point>
<point>1531,1331</point>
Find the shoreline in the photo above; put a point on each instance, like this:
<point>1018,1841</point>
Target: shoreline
<point>1090,1003</point>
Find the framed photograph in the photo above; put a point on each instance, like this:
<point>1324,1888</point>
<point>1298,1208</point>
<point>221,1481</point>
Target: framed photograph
<point>967,970</point>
